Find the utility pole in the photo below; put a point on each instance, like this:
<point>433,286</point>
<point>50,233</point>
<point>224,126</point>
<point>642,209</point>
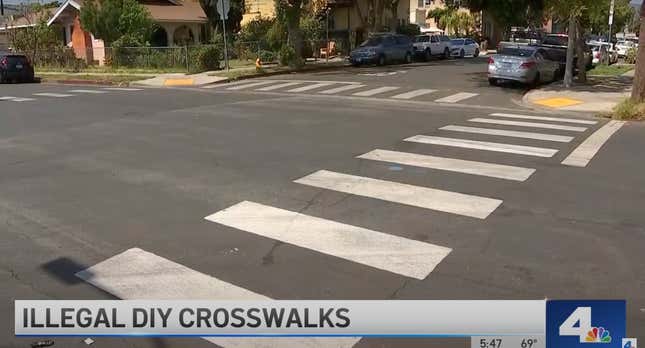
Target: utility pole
<point>327,35</point>
<point>611,19</point>
<point>1,8</point>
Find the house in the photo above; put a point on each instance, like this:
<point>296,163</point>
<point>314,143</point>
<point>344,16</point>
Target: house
<point>16,18</point>
<point>258,8</point>
<point>180,22</point>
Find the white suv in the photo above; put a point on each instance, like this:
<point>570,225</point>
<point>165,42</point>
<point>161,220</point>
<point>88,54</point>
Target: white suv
<point>429,45</point>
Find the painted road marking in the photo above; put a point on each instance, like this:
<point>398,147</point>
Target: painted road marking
<point>341,89</point>
<point>508,133</point>
<point>178,82</point>
<point>398,255</point>
<point>423,197</point>
<point>53,95</point>
<point>375,91</point>
<point>22,99</point>
<point>585,152</point>
<point>484,145</point>
<point>124,89</point>
<point>280,85</point>
<point>528,124</point>
<point>414,94</point>
<point>87,91</point>
<point>310,87</point>
<point>456,97</point>
<point>137,274</point>
<point>7,98</point>
<point>493,170</point>
<point>542,118</point>
<point>558,102</point>
<point>249,85</point>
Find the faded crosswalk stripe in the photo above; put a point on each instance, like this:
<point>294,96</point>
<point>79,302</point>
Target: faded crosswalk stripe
<point>87,91</point>
<point>53,95</point>
<point>413,94</point>
<point>278,86</point>
<point>374,91</point>
<point>456,97</point>
<point>583,154</point>
<point>493,170</point>
<point>310,87</point>
<point>124,89</point>
<point>398,255</point>
<point>484,145</point>
<point>543,118</point>
<point>16,99</point>
<point>137,274</point>
<point>249,85</point>
<point>528,124</point>
<point>423,197</point>
<point>508,133</point>
<point>341,89</point>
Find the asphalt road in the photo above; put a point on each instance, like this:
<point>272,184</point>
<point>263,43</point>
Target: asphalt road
<point>86,177</point>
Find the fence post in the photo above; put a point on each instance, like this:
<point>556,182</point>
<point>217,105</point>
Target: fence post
<point>187,64</point>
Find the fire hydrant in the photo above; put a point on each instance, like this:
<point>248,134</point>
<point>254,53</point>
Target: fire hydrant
<point>258,64</point>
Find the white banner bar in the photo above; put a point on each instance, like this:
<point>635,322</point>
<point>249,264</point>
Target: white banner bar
<point>280,318</point>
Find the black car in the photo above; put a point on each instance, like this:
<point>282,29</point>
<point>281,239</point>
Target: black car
<point>382,49</point>
<point>15,67</point>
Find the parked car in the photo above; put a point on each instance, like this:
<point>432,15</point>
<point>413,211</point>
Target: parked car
<point>603,53</point>
<point>623,46</point>
<point>429,45</point>
<point>525,64</point>
<point>382,49</point>
<point>15,67</point>
<point>556,46</point>
<point>464,47</point>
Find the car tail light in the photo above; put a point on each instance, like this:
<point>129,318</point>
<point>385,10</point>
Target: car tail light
<point>4,61</point>
<point>527,65</point>
<point>491,61</point>
<point>597,55</point>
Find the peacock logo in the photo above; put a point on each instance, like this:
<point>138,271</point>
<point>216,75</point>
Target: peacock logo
<point>598,335</point>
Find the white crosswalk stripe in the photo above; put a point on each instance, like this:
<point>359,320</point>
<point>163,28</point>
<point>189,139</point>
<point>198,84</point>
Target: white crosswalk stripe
<point>16,99</point>
<point>123,89</point>
<point>509,133</point>
<point>87,91</point>
<point>398,255</point>
<point>54,95</point>
<point>137,274</point>
<point>528,124</point>
<point>375,91</point>
<point>249,85</point>
<point>278,86</point>
<point>457,97</point>
<point>484,145</point>
<point>583,154</point>
<point>7,98</point>
<point>341,89</point>
<point>310,87</point>
<point>543,118</point>
<point>423,197</point>
<point>493,170</point>
<point>414,94</point>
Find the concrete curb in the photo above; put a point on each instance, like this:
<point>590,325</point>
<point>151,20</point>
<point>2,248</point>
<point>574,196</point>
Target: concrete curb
<point>285,72</point>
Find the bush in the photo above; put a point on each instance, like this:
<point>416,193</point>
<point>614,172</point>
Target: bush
<point>629,110</point>
<point>630,57</point>
<point>408,29</point>
<point>267,56</point>
<point>287,56</point>
<point>204,58</point>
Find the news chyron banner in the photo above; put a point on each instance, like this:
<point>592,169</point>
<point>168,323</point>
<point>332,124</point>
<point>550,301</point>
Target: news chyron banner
<point>489,324</point>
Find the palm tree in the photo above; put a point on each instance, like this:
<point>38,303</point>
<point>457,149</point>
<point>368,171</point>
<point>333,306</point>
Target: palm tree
<point>452,20</point>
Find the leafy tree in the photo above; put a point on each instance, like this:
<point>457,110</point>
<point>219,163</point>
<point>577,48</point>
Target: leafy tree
<point>233,20</point>
<point>111,20</point>
<point>598,16</point>
<point>289,12</point>
<point>452,20</point>
<point>507,13</point>
<point>33,40</point>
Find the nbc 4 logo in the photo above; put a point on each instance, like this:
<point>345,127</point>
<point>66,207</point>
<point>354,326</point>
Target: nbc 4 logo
<point>579,324</point>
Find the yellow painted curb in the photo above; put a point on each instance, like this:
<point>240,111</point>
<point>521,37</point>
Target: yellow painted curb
<point>557,102</point>
<point>179,82</point>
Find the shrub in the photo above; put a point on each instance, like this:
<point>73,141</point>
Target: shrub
<point>408,29</point>
<point>287,56</point>
<point>204,58</point>
<point>267,56</point>
<point>630,57</point>
<point>629,110</point>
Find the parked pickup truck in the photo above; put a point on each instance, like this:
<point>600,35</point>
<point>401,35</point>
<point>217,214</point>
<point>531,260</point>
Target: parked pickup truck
<point>556,48</point>
<point>429,45</point>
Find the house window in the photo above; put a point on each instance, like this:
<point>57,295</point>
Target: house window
<point>420,3</point>
<point>428,2</point>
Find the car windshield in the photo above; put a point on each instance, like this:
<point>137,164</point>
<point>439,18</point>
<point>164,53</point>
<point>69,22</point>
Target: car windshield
<point>422,38</point>
<point>375,41</point>
<point>457,41</point>
<point>556,40</point>
<point>518,52</point>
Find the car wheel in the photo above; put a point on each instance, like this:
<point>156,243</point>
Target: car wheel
<point>408,58</point>
<point>381,59</point>
<point>427,55</point>
<point>462,53</point>
<point>476,54</point>
<point>536,81</point>
<point>492,82</point>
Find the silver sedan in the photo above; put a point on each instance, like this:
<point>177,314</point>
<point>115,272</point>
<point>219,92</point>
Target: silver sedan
<point>523,64</point>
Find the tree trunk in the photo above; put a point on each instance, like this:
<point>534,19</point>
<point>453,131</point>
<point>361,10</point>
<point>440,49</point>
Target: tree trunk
<point>581,54</point>
<point>568,70</point>
<point>638,90</point>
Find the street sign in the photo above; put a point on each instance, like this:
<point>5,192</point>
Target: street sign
<point>223,7</point>
<point>611,13</point>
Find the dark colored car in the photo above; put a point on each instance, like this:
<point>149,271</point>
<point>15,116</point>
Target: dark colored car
<point>15,67</point>
<point>556,46</point>
<point>382,49</point>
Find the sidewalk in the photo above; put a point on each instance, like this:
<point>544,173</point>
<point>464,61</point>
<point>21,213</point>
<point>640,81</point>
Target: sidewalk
<point>600,94</point>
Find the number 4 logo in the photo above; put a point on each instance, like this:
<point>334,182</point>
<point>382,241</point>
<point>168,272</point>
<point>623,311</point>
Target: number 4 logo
<point>579,324</point>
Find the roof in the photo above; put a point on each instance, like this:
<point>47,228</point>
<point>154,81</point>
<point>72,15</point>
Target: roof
<point>22,21</point>
<point>160,10</point>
